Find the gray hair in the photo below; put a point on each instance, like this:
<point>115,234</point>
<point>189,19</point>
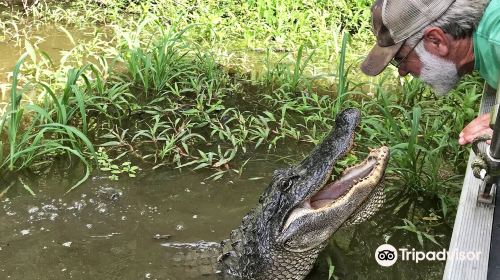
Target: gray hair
<point>460,20</point>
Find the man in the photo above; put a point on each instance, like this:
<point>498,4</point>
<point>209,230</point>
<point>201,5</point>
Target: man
<point>438,41</point>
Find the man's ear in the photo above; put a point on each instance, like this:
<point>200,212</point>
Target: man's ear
<point>436,41</point>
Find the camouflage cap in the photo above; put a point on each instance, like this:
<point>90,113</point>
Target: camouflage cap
<point>394,21</point>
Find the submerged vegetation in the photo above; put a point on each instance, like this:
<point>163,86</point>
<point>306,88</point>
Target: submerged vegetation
<point>191,85</point>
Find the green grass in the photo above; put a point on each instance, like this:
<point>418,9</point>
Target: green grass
<point>48,131</point>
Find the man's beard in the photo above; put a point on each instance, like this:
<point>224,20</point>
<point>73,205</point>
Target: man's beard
<point>439,73</point>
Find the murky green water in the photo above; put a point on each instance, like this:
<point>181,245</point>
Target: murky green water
<point>121,230</point>
<point>50,40</point>
<point>106,230</point>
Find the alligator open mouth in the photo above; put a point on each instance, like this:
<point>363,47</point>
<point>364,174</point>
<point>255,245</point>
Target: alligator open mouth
<point>356,195</point>
<point>368,173</point>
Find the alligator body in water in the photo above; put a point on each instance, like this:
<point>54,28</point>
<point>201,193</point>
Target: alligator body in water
<point>298,212</point>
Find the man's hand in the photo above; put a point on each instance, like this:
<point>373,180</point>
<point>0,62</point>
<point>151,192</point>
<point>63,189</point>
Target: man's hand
<point>478,127</point>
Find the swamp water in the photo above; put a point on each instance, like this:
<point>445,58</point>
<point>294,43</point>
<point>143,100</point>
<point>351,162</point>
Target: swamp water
<point>119,229</point>
<point>51,40</point>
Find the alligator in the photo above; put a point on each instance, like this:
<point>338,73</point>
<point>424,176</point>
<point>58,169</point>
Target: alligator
<point>300,210</point>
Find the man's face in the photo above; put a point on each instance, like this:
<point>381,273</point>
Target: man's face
<point>439,73</point>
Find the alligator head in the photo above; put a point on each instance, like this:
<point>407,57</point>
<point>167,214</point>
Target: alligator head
<point>301,208</point>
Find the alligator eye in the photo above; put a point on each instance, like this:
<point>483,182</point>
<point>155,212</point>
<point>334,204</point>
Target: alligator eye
<point>288,183</point>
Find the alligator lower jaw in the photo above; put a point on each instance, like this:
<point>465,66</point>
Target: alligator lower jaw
<point>369,173</point>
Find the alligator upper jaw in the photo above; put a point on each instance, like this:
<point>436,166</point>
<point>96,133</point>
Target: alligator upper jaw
<point>315,170</point>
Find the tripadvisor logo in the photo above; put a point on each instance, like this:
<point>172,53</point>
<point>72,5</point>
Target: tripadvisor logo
<point>387,255</point>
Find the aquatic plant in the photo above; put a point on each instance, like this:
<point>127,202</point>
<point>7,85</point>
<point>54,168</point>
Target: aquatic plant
<point>44,136</point>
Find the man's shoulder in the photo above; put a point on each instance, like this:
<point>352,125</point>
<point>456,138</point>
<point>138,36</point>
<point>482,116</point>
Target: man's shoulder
<point>487,44</point>
<point>492,8</point>
<point>489,26</point>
